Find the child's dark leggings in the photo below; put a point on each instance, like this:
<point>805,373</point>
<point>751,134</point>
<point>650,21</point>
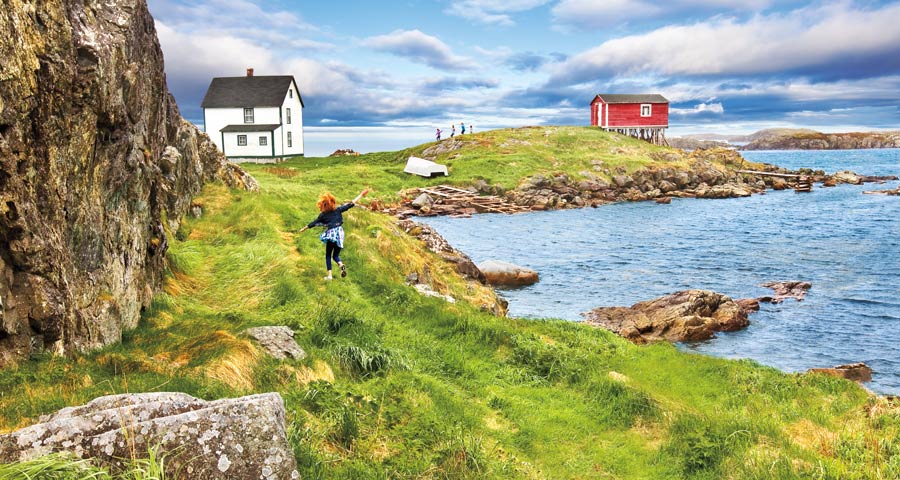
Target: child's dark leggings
<point>332,250</point>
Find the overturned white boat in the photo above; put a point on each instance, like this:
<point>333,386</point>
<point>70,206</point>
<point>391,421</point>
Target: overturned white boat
<point>425,168</point>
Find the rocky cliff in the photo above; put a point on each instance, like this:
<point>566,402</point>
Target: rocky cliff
<point>810,140</point>
<point>96,166</point>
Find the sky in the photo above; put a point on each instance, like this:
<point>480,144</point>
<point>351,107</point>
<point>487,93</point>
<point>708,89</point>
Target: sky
<point>726,66</point>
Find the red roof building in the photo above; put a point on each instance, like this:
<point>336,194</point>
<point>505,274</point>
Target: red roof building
<point>641,116</point>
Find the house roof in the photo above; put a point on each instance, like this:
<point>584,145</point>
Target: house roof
<point>631,98</point>
<point>250,127</point>
<point>245,92</point>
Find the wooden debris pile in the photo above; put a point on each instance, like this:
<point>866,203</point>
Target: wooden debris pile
<point>456,202</point>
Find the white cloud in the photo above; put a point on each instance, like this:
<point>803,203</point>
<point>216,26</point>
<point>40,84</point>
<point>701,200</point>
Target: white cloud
<point>699,108</point>
<point>589,14</point>
<point>823,38</point>
<point>494,12</point>
<point>420,47</point>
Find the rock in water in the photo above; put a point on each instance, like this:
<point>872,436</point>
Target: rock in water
<point>94,159</point>
<point>783,290</point>
<point>682,316</point>
<point>223,439</point>
<point>503,273</point>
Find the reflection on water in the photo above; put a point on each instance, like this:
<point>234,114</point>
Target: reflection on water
<point>846,243</point>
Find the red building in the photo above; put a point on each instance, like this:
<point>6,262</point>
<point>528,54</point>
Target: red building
<point>640,116</point>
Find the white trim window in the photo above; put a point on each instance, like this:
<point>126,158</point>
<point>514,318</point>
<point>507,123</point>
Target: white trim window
<point>248,115</point>
<point>263,141</point>
<point>646,110</point>
<point>290,141</point>
<point>290,93</point>
<point>288,115</point>
<point>242,140</point>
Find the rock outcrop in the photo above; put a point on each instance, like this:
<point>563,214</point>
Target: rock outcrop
<point>439,245</point>
<point>505,273</point>
<point>223,439</point>
<point>858,372</point>
<point>96,168</point>
<point>682,316</point>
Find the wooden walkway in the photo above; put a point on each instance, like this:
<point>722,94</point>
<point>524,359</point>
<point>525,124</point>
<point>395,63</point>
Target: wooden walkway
<point>449,198</point>
<point>770,174</point>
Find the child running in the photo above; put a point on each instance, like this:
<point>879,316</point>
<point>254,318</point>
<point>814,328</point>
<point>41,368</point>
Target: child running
<point>333,236</point>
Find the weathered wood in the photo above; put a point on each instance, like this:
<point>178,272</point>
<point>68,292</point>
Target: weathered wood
<point>769,174</point>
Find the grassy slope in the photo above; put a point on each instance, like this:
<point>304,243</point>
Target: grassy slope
<point>397,385</point>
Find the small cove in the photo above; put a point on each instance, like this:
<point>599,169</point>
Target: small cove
<point>846,243</point>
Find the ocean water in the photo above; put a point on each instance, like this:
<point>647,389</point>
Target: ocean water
<point>846,243</point>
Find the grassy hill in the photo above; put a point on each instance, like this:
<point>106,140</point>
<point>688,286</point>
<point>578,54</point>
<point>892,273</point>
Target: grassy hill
<point>398,385</point>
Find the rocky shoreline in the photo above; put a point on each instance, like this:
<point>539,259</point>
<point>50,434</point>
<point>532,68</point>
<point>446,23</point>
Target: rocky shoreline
<point>703,178</point>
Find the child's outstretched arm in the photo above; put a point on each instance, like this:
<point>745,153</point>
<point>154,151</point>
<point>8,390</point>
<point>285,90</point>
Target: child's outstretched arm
<point>361,194</point>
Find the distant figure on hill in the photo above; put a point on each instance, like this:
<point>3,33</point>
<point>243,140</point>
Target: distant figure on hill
<point>333,236</point>
<point>471,129</point>
<point>437,135</point>
<point>452,130</point>
<point>462,128</point>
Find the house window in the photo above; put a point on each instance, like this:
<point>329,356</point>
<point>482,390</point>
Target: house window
<point>645,110</point>
<point>242,140</point>
<point>290,93</point>
<point>248,115</point>
<point>288,115</point>
<point>263,141</point>
<point>290,142</point>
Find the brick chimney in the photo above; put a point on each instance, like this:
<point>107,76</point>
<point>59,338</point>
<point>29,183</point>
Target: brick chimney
<point>249,72</point>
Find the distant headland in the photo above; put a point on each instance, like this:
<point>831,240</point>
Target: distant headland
<point>790,139</point>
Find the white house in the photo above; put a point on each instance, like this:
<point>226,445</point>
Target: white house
<point>254,119</point>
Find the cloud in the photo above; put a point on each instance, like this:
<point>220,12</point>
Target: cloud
<point>699,109</point>
<point>491,12</point>
<point>530,61</point>
<point>820,41</point>
<point>419,47</point>
<point>592,14</point>
<point>242,19</point>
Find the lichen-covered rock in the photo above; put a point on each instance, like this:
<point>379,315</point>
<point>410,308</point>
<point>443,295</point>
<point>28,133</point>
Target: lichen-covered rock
<point>96,167</point>
<point>240,438</point>
<point>278,341</point>
<point>682,316</point>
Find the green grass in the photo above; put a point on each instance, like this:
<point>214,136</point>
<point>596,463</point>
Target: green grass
<point>397,385</point>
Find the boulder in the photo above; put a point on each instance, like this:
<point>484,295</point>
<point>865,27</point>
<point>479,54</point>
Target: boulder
<point>503,273</point>
<point>278,341</point>
<point>423,200</point>
<point>748,304</point>
<point>858,372</point>
<point>682,316</point>
<point>235,438</point>
<point>664,200</point>
<point>97,165</point>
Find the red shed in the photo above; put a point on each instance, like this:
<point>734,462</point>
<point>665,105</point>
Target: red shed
<point>644,116</point>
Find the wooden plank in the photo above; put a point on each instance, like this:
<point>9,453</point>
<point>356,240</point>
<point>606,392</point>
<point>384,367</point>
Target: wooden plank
<point>770,174</point>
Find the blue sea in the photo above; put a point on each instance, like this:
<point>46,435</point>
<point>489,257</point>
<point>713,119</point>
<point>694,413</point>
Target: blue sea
<point>844,242</point>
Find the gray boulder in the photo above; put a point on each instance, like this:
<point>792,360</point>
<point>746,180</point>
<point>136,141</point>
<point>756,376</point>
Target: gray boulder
<point>235,438</point>
<point>278,341</point>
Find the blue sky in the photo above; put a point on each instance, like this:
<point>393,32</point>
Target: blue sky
<point>726,65</point>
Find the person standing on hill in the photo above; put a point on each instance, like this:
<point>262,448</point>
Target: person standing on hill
<point>333,237</point>
<point>452,130</point>
<point>462,128</point>
<point>437,135</point>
